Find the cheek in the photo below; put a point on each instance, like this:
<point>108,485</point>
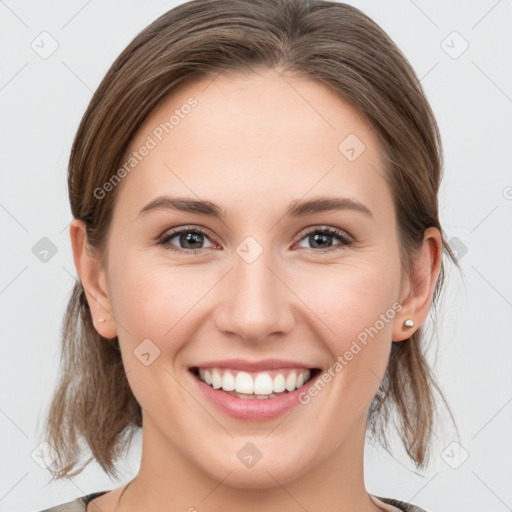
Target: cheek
<point>151,304</point>
<point>352,297</point>
<point>150,300</point>
<point>355,306</point>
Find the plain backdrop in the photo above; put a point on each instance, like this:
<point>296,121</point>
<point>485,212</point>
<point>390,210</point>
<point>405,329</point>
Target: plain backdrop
<point>461,50</point>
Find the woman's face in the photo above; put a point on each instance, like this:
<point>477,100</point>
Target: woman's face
<point>262,290</point>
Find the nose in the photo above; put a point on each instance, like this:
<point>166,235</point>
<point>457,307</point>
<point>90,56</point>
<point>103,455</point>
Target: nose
<point>256,305</point>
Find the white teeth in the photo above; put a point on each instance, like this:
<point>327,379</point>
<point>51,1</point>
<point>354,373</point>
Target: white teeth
<point>279,383</point>
<point>244,383</point>
<point>256,386</point>
<point>262,384</point>
<point>291,381</point>
<point>228,381</point>
<point>216,379</point>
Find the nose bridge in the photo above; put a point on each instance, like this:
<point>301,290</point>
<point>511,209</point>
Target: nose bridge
<point>254,306</point>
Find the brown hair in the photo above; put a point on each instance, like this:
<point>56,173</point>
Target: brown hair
<point>325,41</point>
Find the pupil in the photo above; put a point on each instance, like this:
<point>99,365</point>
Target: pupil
<point>189,238</point>
<point>321,236</point>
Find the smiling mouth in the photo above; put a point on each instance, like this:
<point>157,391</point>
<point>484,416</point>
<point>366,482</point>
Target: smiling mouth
<point>255,385</point>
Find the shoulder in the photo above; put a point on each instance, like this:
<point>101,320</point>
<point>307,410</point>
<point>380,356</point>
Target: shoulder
<point>77,505</point>
<point>400,505</point>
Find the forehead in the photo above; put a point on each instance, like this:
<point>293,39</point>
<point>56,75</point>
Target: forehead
<point>260,138</point>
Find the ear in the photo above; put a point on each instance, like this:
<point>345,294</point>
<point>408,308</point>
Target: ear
<point>418,288</point>
<point>93,279</point>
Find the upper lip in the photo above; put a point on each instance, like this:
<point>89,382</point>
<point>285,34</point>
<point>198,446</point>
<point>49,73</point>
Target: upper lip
<point>253,366</point>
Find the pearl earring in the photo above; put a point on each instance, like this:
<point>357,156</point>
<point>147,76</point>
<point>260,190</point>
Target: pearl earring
<point>100,320</point>
<point>408,324</point>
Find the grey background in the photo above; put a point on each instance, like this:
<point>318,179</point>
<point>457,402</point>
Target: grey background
<point>42,101</point>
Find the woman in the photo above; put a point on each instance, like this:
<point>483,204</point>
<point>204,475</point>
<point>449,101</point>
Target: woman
<point>254,190</point>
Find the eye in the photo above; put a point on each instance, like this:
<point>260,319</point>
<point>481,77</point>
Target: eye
<point>190,238</point>
<point>320,237</point>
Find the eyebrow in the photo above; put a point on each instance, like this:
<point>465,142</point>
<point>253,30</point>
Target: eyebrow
<point>296,208</point>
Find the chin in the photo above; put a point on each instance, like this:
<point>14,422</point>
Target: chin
<point>263,474</point>
<point>262,478</point>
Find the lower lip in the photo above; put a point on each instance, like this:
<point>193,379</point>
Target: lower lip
<point>252,409</point>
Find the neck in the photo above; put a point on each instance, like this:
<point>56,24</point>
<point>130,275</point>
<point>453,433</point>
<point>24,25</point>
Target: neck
<point>168,481</point>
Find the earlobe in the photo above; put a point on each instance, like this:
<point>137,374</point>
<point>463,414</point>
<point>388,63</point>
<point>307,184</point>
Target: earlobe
<point>93,279</point>
<point>420,286</point>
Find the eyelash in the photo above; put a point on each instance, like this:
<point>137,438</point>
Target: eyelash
<point>341,235</point>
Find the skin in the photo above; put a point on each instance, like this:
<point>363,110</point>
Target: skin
<point>252,145</point>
